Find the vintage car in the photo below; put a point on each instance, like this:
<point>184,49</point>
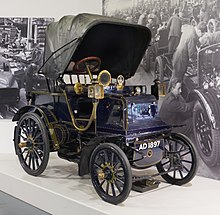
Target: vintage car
<point>88,115</point>
<point>203,82</point>
<point>9,92</point>
<point>206,119</point>
<point>25,69</point>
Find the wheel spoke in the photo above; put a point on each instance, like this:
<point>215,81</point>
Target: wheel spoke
<point>26,156</point>
<point>186,153</point>
<point>25,129</point>
<point>118,186</point>
<point>113,189</point>
<point>182,146</point>
<point>33,161</point>
<point>37,136</point>
<point>209,145</point>
<point>38,157</point>
<point>187,161</point>
<point>39,147</point>
<point>39,143</point>
<point>119,180</point>
<point>174,174</point>
<point>107,188</point>
<point>21,136</point>
<point>175,147</point>
<point>35,130</point>
<point>25,132</point>
<point>100,185</point>
<point>181,174</point>
<point>165,163</point>
<point>29,160</point>
<point>117,164</point>
<point>97,165</point>
<point>105,156</point>
<point>42,153</point>
<point>112,158</point>
<point>184,167</point>
<point>117,172</point>
<point>29,125</point>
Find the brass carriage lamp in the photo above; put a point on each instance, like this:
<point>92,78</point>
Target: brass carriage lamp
<point>120,82</point>
<point>97,91</point>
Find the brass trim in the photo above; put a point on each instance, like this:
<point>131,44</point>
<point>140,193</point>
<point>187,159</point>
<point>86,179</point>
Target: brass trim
<point>90,74</point>
<point>78,88</point>
<point>99,78</point>
<point>56,145</point>
<point>91,119</point>
<point>22,144</point>
<point>81,119</point>
<point>47,93</point>
<point>101,175</point>
<point>149,153</point>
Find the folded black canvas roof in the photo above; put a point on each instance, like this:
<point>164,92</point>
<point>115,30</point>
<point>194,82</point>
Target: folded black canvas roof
<point>119,45</point>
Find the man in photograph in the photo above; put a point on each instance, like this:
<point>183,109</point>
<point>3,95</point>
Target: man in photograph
<point>176,111</point>
<point>35,63</point>
<point>186,51</point>
<point>174,27</point>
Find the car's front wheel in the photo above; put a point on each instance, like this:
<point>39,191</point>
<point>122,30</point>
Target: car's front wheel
<point>110,173</point>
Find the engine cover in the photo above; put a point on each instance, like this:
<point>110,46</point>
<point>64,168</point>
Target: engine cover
<point>148,152</point>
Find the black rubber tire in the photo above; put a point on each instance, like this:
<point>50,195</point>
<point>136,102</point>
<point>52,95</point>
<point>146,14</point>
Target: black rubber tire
<point>213,23</point>
<point>192,163</point>
<point>33,159</point>
<point>117,156</point>
<point>159,69</point>
<point>207,141</point>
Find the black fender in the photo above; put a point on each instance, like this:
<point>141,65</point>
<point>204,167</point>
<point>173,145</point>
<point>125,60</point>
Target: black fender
<point>86,154</point>
<point>22,111</point>
<point>209,100</point>
<point>48,117</point>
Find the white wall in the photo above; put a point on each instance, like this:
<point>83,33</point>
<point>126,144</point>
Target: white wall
<point>39,8</point>
<point>49,8</point>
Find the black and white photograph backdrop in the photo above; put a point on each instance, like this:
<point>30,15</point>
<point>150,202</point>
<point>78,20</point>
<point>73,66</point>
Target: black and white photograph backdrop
<point>184,57</point>
<point>21,55</point>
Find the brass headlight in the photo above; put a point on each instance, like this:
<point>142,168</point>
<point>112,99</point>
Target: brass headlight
<point>120,82</point>
<point>137,90</point>
<point>78,88</point>
<point>104,78</point>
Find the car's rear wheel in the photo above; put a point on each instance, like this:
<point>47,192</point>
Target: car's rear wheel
<point>32,143</point>
<point>110,173</point>
<point>179,161</point>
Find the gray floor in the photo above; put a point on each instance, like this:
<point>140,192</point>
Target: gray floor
<point>12,206</point>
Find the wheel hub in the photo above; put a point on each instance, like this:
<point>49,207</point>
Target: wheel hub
<point>107,172</point>
<point>29,143</point>
<point>176,160</point>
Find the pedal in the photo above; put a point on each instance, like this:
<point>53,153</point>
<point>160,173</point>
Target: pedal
<point>145,185</point>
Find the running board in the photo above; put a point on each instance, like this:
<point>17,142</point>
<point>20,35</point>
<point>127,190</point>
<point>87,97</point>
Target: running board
<point>145,185</point>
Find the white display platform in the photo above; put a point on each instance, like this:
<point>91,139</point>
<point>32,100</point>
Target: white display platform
<point>61,191</point>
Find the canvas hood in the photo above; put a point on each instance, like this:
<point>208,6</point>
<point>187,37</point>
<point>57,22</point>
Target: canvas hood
<point>119,44</point>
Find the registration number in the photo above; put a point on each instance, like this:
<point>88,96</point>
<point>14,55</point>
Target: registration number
<point>150,145</point>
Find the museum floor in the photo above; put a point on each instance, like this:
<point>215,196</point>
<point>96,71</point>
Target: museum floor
<point>60,191</point>
<point>10,205</point>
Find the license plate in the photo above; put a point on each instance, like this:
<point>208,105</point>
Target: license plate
<point>148,145</point>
